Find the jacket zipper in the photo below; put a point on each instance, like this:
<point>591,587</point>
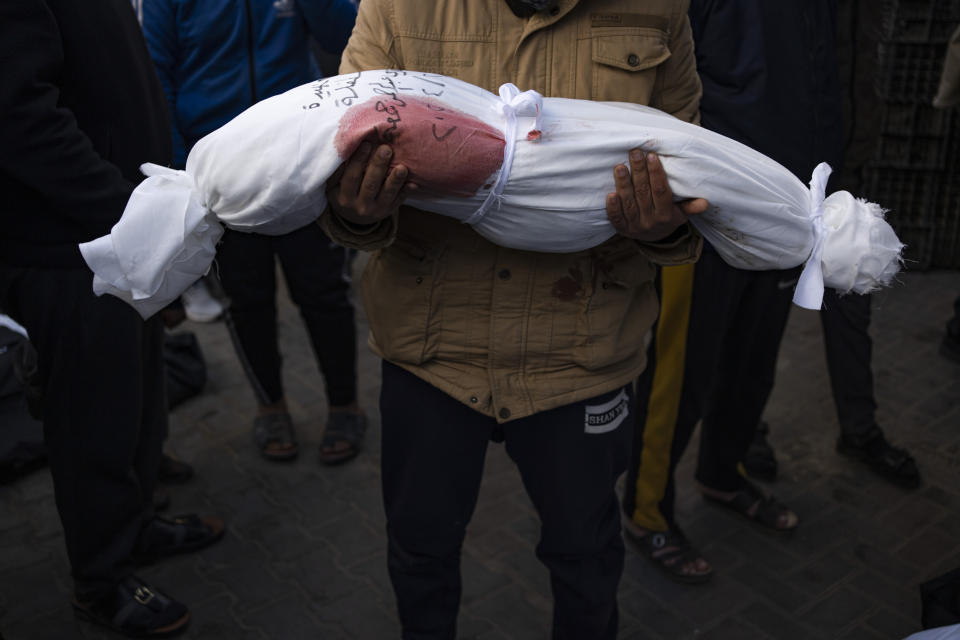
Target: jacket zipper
<point>253,80</point>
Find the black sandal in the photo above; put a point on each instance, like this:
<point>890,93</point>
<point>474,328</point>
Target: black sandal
<point>136,610</point>
<point>342,427</point>
<point>670,551</point>
<point>165,537</point>
<point>754,505</point>
<point>275,428</point>
<point>892,463</point>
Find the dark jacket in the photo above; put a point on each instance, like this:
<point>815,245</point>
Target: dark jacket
<point>775,87</point>
<point>80,110</point>
<point>215,58</point>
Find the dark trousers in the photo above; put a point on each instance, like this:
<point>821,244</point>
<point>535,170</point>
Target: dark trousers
<point>720,369</point>
<point>432,461</point>
<point>318,278</point>
<point>846,321</point>
<point>104,414</point>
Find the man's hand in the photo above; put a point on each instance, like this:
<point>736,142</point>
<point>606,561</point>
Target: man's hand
<point>642,207</point>
<point>365,189</point>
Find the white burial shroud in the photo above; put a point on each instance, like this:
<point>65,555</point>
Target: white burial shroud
<point>526,172</point>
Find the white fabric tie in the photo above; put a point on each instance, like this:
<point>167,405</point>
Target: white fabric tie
<point>165,240</point>
<point>809,293</point>
<point>513,104</point>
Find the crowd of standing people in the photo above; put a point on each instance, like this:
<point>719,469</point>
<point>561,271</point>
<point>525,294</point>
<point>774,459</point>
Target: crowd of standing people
<point>583,381</point>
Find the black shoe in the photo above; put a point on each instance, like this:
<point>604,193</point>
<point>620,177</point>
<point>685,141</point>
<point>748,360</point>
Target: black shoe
<point>136,610</point>
<point>173,471</point>
<point>165,537</point>
<point>760,461</point>
<point>892,463</point>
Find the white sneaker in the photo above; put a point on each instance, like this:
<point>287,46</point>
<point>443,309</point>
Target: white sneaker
<point>199,305</point>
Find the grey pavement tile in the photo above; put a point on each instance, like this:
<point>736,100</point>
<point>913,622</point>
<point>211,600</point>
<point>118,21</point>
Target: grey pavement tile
<point>821,574</point>
<point>836,611</point>
<point>771,586</point>
<point>482,578</point>
<point>250,584</point>
<point>863,633</point>
<point>775,622</point>
<point>282,540</point>
<point>892,624</point>
<point>360,617</point>
<point>656,616</point>
<point>524,569</point>
<point>904,598</point>
<point>289,619</point>
<point>319,578</point>
<point>351,537</point>
<point>733,629</point>
<point>912,515</point>
<point>515,613</point>
<point>928,549</point>
<point>373,570</point>
<point>769,550</point>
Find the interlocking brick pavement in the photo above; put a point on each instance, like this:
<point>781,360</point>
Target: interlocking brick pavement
<point>304,552</point>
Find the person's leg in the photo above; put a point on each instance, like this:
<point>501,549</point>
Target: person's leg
<point>570,459</point>
<point>91,367</point>
<point>670,398</point>
<point>317,272</point>
<point>747,366</point>
<point>432,462</point>
<point>846,323</point>
<point>846,320</point>
<point>245,265</point>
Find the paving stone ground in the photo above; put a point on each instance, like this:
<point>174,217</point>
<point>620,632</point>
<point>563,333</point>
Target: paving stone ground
<point>304,552</point>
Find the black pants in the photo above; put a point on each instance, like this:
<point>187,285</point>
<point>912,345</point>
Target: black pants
<point>846,321</point>
<point>317,275</point>
<point>104,414</point>
<point>432,459</point>
<point>719,369</point>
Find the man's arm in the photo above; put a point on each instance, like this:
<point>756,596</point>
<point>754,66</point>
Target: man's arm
<point>160,30</point>
<point>330,22</point>
<point>43,146</point>
<point>364,199</point>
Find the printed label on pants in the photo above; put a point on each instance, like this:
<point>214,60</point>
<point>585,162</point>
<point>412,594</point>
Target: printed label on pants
<point>606,417</point>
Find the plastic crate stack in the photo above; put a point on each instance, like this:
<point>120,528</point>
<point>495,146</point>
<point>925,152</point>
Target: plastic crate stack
<point>916,169</point>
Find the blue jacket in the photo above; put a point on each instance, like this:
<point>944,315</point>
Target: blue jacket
<point>216,58</point>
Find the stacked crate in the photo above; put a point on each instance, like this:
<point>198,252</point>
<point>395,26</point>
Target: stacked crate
<point>914,172</point>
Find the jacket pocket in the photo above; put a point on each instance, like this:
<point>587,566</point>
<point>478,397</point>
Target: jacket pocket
<point>400,293</point>
<point>624,65</point>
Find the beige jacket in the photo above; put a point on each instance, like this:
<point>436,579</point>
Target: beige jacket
<point>511,333</point>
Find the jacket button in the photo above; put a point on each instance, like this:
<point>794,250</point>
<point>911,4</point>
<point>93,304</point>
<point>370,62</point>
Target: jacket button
<point>504,274</point>
<point>474,399</point>
<point>504,413</point>
<point>633,59</point>
<point>419,279</point>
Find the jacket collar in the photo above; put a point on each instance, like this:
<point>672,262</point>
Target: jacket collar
<point>521,9</point>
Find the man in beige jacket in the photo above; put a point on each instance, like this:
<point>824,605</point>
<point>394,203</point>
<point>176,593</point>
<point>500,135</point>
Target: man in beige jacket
<point>481,342</point>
